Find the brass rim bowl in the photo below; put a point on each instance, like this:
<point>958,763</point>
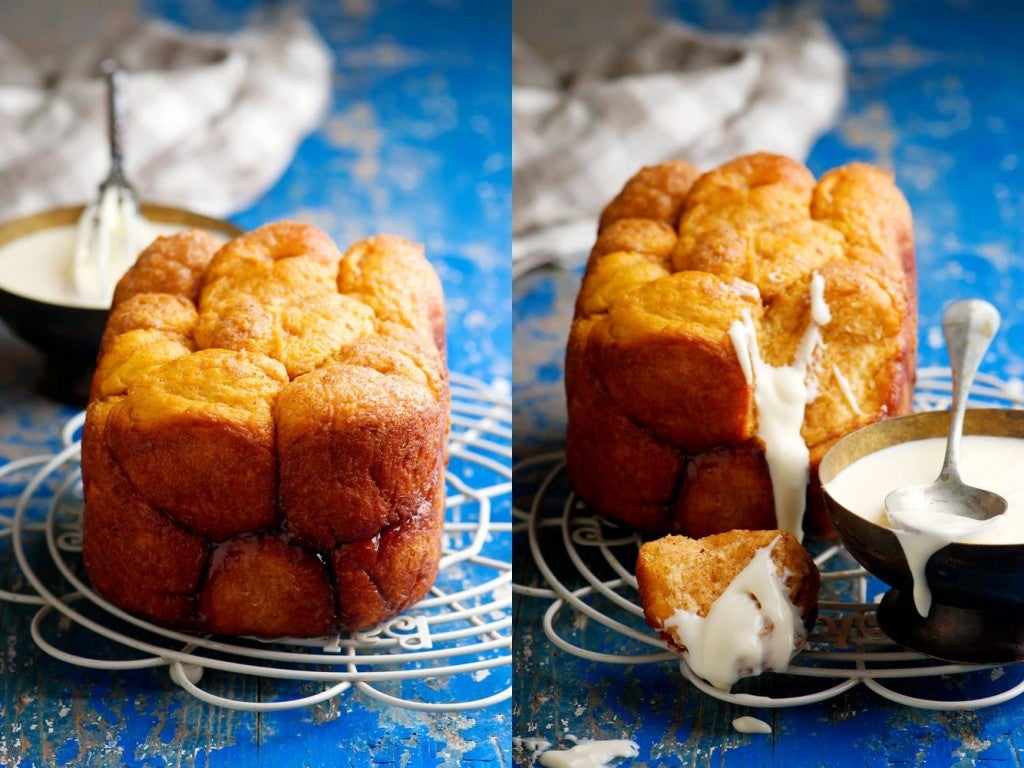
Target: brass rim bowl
<point>69,336</point>
<point>977,613</point>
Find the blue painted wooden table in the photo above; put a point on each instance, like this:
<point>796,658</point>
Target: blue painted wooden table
<point>417,143</point>
<point>936,94</point>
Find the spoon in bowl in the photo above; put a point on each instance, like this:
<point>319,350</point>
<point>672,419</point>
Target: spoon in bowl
<point>948,505</point>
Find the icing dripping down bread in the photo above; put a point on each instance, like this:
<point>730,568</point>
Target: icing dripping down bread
<point>663,422</point>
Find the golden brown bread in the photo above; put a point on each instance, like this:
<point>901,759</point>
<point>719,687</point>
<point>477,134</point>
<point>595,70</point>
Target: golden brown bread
<point>663,424</point>
<point>265,445</point>
<point>680,573</point>
<point>170,265</point>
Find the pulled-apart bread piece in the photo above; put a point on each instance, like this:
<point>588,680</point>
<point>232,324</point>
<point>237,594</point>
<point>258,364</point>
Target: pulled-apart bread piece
<point>265,446</point>
<point>735,604</point>
<point>730,326</point>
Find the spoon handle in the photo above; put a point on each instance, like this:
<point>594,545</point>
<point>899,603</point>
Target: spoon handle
<point>969,326</point>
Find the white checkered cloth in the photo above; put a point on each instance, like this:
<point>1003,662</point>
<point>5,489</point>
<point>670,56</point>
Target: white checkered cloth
<point>669,91</point>
<point>211,121</point>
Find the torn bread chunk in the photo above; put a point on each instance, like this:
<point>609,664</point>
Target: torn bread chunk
<point>735,604</point>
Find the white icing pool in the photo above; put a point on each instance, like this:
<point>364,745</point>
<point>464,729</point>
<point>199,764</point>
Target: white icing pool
<point>989,462</point>
<point>39,265</point>
<point>993,463</point>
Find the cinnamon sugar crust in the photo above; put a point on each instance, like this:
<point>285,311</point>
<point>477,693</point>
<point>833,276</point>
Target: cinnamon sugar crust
<point>661,417</point>
<point>265,446</point>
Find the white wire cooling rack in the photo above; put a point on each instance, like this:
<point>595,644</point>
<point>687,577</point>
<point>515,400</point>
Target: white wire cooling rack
<point>846,647</point>
<point>451,651</point>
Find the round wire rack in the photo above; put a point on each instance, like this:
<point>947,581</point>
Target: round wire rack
<point>846,647</point>
<point>449,652</point>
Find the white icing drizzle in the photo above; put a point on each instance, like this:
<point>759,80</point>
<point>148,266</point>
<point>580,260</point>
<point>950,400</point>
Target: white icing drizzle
<point>743,288</point>
<point>917,548</point>
<point>744,341</point>
<point>748,724</point>
<point>781,395</point>
<point>935,530</point>
<point>753,626</point>
<point>820,312</point>
<point>844,387</point>
<point>590,754</point>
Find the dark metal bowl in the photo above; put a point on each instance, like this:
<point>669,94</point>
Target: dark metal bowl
<point>977,613</point>
<point>69,336</point>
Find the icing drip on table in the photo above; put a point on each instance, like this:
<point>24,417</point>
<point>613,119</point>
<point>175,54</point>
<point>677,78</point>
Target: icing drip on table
<point>752,627</point>
<point>590,754</point>
<point>780,395</point>
<point>748,724</point>
<point>533,747</point>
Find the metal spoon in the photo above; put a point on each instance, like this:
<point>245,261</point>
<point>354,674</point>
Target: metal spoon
<point>969,327</point>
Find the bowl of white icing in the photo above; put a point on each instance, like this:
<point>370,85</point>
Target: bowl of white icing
<point>40,303</point>
<point>957,595</point>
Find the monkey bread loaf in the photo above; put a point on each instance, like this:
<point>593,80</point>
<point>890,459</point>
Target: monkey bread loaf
<point>729,328</point>
<point>266,439</point>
